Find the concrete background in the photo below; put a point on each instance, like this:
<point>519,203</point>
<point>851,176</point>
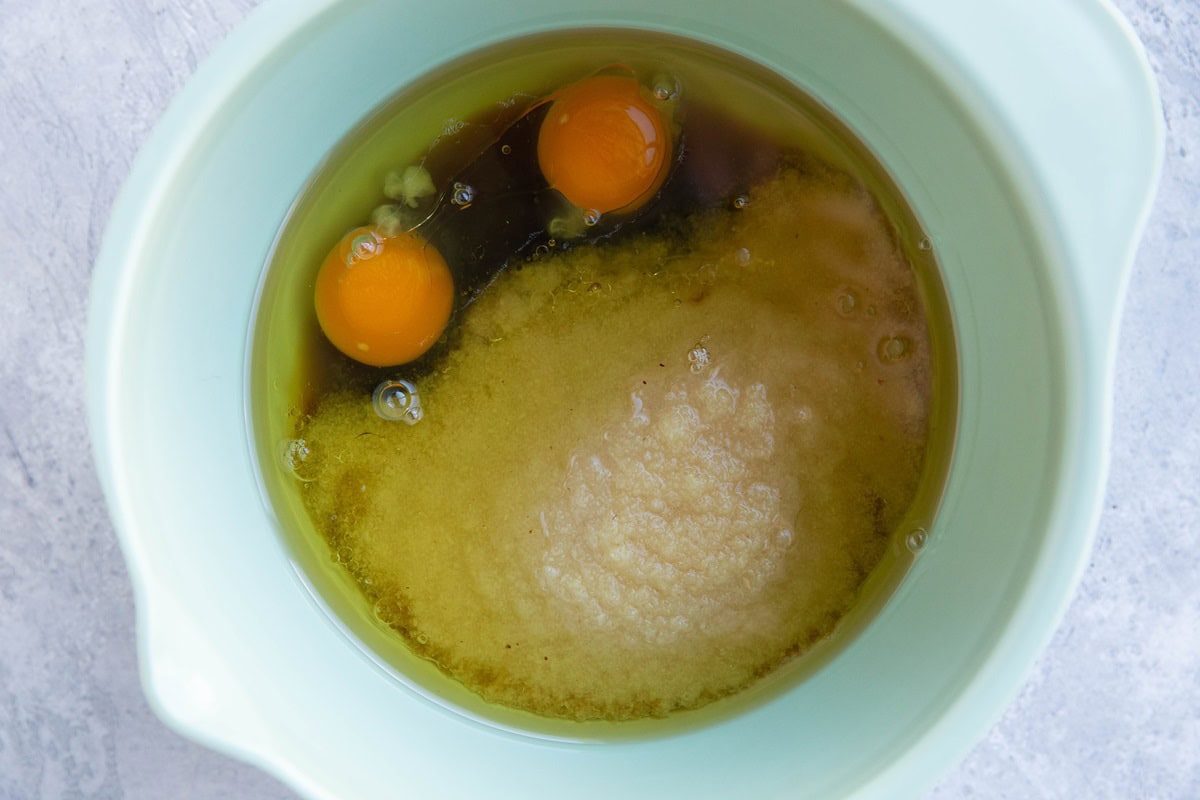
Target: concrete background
<point>1112,709</point>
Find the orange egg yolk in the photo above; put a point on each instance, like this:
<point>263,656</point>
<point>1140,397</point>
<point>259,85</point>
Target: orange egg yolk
<point>383,300</point>
<point>603,144</point>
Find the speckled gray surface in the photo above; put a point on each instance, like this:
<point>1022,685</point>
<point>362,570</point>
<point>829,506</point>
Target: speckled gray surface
<point>1112,709</point>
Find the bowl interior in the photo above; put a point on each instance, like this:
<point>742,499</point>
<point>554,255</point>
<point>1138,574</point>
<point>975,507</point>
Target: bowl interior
<point>286,343</point>
<point>229,602</point>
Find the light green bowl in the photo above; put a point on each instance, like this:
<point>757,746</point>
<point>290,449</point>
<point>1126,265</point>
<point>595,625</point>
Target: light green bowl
<point>1027,137</point>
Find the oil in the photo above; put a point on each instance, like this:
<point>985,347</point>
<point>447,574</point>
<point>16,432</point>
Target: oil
<point>771,329</point>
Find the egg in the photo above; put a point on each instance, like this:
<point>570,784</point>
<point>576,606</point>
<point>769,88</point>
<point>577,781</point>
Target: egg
<point>604,144</point>
<point>383,300</point>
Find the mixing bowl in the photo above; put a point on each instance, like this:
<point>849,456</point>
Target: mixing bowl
<point>1026,136</point>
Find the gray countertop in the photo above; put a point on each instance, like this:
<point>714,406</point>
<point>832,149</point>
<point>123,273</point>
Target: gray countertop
<point>1112,709</point>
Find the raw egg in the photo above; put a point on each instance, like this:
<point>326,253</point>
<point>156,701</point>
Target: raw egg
<point>383,300</point>
<point>603,144</point>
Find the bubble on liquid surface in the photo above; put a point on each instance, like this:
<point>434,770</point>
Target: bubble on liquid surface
<point>847,303</point>
<point>505,149</point>
<point>916,540</point>
<point>894,348</point>
<point>398,400</point>
<point>293,453</point>
<point>462,195</point>
<point>741,201</point>
<point>925,244</point>
<point>591,217</point>
<point>666,88</point>
<point>362,247</point>
<point>699,358</point>
<point>742,256</point>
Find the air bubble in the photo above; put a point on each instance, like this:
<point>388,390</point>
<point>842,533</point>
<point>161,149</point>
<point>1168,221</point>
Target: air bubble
<point>698,358</point>
<point>422,639</point>
<point>397,400</point>
<point>591,217</point>
<point>894,348</point>
<point>362,247</point>
<point>463,195</point>
<point>294,452</point>
<point>594,287</point>
<point>916,540</point>
<point>506,149</point>
<point>741,201</point>
<point>742,256</point>
<point>784,538</point>
<point>665,88</point>
<point>925,244</point>
<point>847,303</point>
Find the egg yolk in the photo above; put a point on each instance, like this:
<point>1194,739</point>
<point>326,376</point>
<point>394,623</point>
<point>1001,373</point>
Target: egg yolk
<point>383,300</point>
<point>603,144</point>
